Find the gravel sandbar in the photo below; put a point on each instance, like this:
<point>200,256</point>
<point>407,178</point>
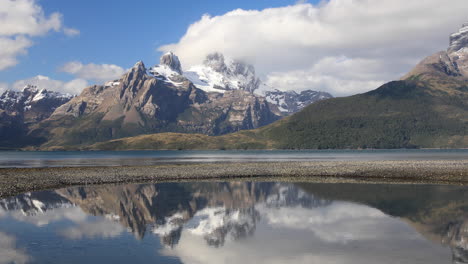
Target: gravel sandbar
<point>19,180</point>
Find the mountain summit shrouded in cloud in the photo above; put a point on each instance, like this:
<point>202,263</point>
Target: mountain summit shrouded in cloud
<point>427,108</point>
<point>340,46</point>
<point>300,51</point>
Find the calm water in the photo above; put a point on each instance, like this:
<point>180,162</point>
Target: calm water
<point>237,222</point>
<point>117,158</point>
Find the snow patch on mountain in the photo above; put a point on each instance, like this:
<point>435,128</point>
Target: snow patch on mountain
<point>15,100</point>
<point>292,101</point>
<point>217,75</point>
<point>459,39</point>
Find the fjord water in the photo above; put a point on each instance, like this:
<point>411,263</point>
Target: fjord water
<point>237,222</point>
<point>24,159</point>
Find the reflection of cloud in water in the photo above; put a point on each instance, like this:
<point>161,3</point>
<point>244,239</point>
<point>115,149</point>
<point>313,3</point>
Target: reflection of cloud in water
<point>3,213</point>
<point>338,233</point>
<point>8,251</point>
<point>338,222</point>
<point>98,229</point>
<point>74,214</point>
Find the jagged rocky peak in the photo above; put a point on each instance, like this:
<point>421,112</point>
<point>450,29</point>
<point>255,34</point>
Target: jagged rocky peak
<point>172,61</point>
<point>459,40</point>
<point>458,51</point>
<point>289,102</point>
<point>217,74</point>
<point>29,96</point>
<point>216,62</point>
<point>169,70</point>
<point>139,67</point>
<point>138,71</point>
<point>30,88</point>
<point>452,63</point>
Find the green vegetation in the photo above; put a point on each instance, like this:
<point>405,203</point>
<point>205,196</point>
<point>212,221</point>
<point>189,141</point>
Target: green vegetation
<point>179,141</point>
<point>400,114</point>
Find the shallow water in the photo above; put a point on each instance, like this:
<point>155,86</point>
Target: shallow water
<point>237,222</point>
<point>10,159</point>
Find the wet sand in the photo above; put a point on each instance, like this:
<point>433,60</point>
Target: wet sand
<point>21,180</point>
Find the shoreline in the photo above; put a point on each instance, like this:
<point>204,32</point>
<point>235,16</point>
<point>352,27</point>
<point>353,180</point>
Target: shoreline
<point>14,181</point>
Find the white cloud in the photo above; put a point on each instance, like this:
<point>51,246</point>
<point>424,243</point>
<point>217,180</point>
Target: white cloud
<point>71,32</point>
<point>338,233</point>
<point>8,251</point>
<point>74,214</point>
<point>3,87</point>
<point>337,75</point>
<point>391,34</point>
<point>85,74</point>
<point>21,20</point>
<point>73,87</point>
<point>96,72</point>
<point>11,48</point>
<point>98,229</point>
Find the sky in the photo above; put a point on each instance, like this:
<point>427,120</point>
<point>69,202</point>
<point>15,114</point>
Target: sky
<point>340,46</point>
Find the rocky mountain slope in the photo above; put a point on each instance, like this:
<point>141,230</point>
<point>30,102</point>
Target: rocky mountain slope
<point>218,74</point>
<point>290,102</point>
<point>428,108</point>
<point>214,98</point>
<point>21,109</point>
<point>150,101</point>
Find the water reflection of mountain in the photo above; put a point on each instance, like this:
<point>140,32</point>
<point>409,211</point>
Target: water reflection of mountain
<point>440,213</point>
<point>33,203</point>
<point>219,212</point>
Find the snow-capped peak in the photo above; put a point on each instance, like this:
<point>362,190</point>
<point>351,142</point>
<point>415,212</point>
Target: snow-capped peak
<point>30,88</point>
<point>172,61</point>
<point>15,100</point>
<point>459,40</point>
<point>215,75</point>
<point>292,101</point>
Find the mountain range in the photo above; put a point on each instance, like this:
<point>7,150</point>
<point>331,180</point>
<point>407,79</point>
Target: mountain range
<point>427,108</point>
<point>21,109</point>
<point>214,98</point>
<point>222,104</point>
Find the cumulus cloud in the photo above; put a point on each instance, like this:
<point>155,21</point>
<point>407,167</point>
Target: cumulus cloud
<point>84,75</point>
<point>97,229</point>
<point>3,87</point>
<point>74,86</point>
<point>8,251</point>
<point>338,233</point>
<point>390,35</point>
<point>337,75</point>
<point>96,72</point>
<point>11,49</point>
<point>21,20</point>
<point>74,214</point>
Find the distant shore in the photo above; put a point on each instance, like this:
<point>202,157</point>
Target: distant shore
<point>20,180</point>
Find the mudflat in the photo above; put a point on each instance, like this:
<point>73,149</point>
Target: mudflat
<point>14,181</point>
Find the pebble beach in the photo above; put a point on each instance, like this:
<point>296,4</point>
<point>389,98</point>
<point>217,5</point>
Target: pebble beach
<point>15,181</point>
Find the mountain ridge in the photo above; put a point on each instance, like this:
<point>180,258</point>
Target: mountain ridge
<point>427,108</point>
<point>19,110</point>
<point>144,102</point>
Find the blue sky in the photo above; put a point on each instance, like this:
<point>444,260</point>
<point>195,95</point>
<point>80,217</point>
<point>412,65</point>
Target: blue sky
<point>342,47</point>
<point>117,32</point>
